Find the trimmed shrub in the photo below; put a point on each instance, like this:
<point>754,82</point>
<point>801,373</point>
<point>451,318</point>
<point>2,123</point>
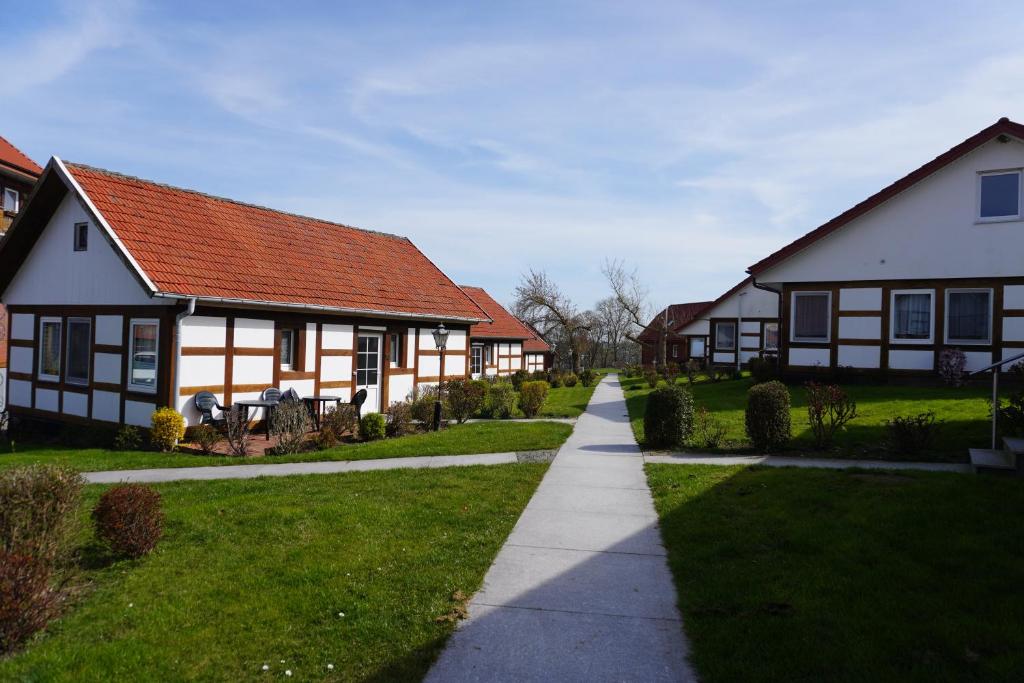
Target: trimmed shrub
<point>422,405</point>
<point>668,420</point>
<point>27,602</point>
<point>372,427</point>
<point>912,434</point>
<point>204,436</point>
<point>587,377</point>
<point>762,369</point>
<point>651,377</point>
<point>464,398</point>
<point>399,419</point>
<point>38,505</point>
<point>168,427</point>
<point>531,397</point>
<point>570,379</point>
<point>829,408</point>
<point>708,430</point>
<point>128,518</point>
<point>555,378</point>
<point>237,431</point>
<point>767,418</point>
<point>539,375</point>
<point>693,368</point>
<point>289,422</point>
<point>518,377</point>
<point>952,366</point>
<point>128,438</point>
<point>671,372</point>
<point>501,400</point>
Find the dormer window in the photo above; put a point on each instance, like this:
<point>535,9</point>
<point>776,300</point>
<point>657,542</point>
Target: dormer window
<point>999,196</point>
<point>81,236</point>
<point>11,198</point>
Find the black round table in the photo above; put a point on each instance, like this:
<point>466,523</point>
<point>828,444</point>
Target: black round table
<point>267,406</point>
<point>316,406</point>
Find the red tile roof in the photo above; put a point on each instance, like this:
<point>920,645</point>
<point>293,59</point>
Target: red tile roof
<point>193,244</point>
<point>15,159</point>
<point>505,325</point>
<point>678,315</point>
<point>536,345</point>
<point>1003,126</point>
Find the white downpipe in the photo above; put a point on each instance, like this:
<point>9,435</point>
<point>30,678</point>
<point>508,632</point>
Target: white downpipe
<point>177,348</point>
<point>739,329</point>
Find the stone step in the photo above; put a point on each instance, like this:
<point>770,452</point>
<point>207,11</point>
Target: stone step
<point>1014,444</point>
<point>992,459</point>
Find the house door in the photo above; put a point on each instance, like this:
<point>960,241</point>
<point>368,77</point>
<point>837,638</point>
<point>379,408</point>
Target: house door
<point>368,375</point>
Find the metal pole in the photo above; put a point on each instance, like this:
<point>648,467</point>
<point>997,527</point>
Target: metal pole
<point>995,404</point>
<point>440,390</point>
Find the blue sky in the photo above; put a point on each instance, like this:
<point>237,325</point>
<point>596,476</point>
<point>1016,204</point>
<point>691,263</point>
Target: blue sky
<point>689,139</point>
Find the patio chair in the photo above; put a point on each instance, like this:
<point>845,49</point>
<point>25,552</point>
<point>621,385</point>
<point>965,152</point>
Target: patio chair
<point>358,400</point>
<point>205,403</point>
<point>290,396</point>
<point>271,394</point>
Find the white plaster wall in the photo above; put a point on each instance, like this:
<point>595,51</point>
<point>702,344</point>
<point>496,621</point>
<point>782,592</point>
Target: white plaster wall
<point>430,366</point>
<point>920,234</point>
<point>22,358</point>
<point>335,368</point>
<point>198,371</point>
<point>251,370</point>
<point>54,273</point>
<point>720,357</point>
<point>756,303</point>
<point>108,329</point>
<point>304,387</point>
<point>808,357</point>
<point>1013,329</point>
<point>310,345</point>
<point>76,404</point>
<point>859,356</point>
<point>47,399</point>
<point>23,326</point>
<point>747,355</point>
<point>410,347</point>
<point>187,407</point>
<point>860,299</point>
<point>139,413</point>
<point>750,328</point>
<point>3,388</point>
<point>978,359</point>
<point>21,393</point>
<point>490,372</point>
<point>336,337</point>
<point>254,333</point>
<point>911,360</point>
<point>106,405</point>
<point>1008,352</point>
<point>454,366</point>
<point>426,340</point>
<point>860,328</point>
<point>696,328</point>
<point>107,368</point>
<point>457,340</point>
<point>1013,296</point>
<point>751,341</point>
<point>399,387</point>
<point>204,330</point>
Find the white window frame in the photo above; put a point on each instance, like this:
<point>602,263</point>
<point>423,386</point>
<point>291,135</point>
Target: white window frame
<point>476,348</point>
<point>675,350</point>
<point>395,349</point>
<point>67,352</point>
<point>735,336</point>
<point>892,317</point>
<point>945,315</point>
<point>288,365</point>
<point>764,334</point>
<point>488,355</point>
<point>60,341</point>
<point>81,229</point>
<point>1020,197</point>
<point>11,192</point>
<point>828,319</point>
<point>132,324</point>
<point>703,346</point>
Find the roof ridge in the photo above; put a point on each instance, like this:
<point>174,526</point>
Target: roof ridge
<point>19,151</point>
<point>238,202</point>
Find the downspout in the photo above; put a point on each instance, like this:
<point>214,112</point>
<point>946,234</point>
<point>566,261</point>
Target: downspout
<point>739,330</point>
<point>189,310</point>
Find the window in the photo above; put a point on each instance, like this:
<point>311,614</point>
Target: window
<point>395,355</point>
<point>11,200</point>
<point>725,336</point>
<point>812,316</point>
<point>912,315</point>
<point>368,360</point>
<point>49,349</point>
<point>697,347</point>
<point>476,360</point>
<point>999,196</point>
<point>968,316</point>
<point>489,354</point>
<point>142,368</point>
<point>675,350</point>
<point>288,343</point>
<point>771,336</point>
<point>81,236</point>
<point>79,350</point>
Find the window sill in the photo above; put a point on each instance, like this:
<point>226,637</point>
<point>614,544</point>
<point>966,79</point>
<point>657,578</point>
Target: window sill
<point>969,342</point>
<point>805,340</point>
<point>1007,219</point>
<point>912,342</point>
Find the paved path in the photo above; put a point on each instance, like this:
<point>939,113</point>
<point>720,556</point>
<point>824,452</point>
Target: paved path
<point>284,469</point>
<point>781,461</point>
<point>581,590</point>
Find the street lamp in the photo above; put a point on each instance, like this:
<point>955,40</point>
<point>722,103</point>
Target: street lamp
<point>440,341</point>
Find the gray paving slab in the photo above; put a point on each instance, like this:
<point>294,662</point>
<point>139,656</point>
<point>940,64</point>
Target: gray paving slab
<point>784,461</point>
<point>581,590</point>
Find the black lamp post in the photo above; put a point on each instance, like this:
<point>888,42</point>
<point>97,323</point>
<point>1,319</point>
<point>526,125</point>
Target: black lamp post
<point>440,341</point>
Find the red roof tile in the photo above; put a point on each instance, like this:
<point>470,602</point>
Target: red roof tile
<point>505,325</point>
<point>536,345</point>
<point>14,158</point>
<point>194,244</point>
<point>1003,126</point>
<point>678,315</point>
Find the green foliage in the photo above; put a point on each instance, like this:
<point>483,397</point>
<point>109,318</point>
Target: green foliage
<point>829,408</point>
<point>708,430</point>
<point>518,377</point>
<point>27,600</point>
<point>912,434</point>
<point>767,417</point>
<point>569,379</point>
<point>372,427</point>
<point>1010,414</point>
<point>763,369</point>
<point>37,510</point>
<point>532,396</point>
<point>168,427</point>
<point>501,400</point>
<point>335,424</point>
<point>128,438</point>
<point>399,419</point>
<point>652,377</point>
<point>289,422</point>
<point>204,436</point>
<point>422,406</point>
<point>668,420</point>
<point>128,518</point>
<point>464,398</point>
<point>555,378</point>
<point>588,377</point>
<point>693,368</point>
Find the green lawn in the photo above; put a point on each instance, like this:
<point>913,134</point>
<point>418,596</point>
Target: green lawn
<point>480,437</point>
<point>964,412</point>
<point>823,575</point>
<point>568,401</point>
<point>253,572</point>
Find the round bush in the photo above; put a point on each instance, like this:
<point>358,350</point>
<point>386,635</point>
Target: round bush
<point>587,377</point>
<point>372,427</point>
<point>129,519</point>
<point>668,420</point>
<point>767,416</point>
<point>167,429</point>
<point>570,379</point>
<point>532,396</point>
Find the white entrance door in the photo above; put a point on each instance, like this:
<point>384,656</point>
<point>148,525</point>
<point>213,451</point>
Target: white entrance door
<point>368,375</point>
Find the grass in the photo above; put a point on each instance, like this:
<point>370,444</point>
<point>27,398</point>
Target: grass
<point>964,412</point>
<point>822,575</point>
<point>568,401</point>
<point>480,437</point>
<point>256,571</point>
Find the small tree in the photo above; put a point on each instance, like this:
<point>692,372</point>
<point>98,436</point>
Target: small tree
<point>236,423</point>
<point>289,423</point>
<point>464,398</point>
<point>532,396</point>
<point>829,408</point>
<point>668,419</point>
<point>767,418</point>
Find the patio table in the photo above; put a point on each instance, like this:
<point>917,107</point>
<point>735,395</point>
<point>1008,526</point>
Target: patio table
<point>317,405</point>
<point>267,406</point>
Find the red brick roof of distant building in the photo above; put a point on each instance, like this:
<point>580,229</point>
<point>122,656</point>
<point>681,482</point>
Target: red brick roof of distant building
<point>505,325</point>
<point>678,315</point>
<point>16,160</point>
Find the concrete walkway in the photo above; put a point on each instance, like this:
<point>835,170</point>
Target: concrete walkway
<point>581,590</point>
<point>781,461</point>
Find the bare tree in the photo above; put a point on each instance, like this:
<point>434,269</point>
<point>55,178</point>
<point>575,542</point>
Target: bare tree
<point>615,325</point>
<point>541,303</point>
<point>632,299</point>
